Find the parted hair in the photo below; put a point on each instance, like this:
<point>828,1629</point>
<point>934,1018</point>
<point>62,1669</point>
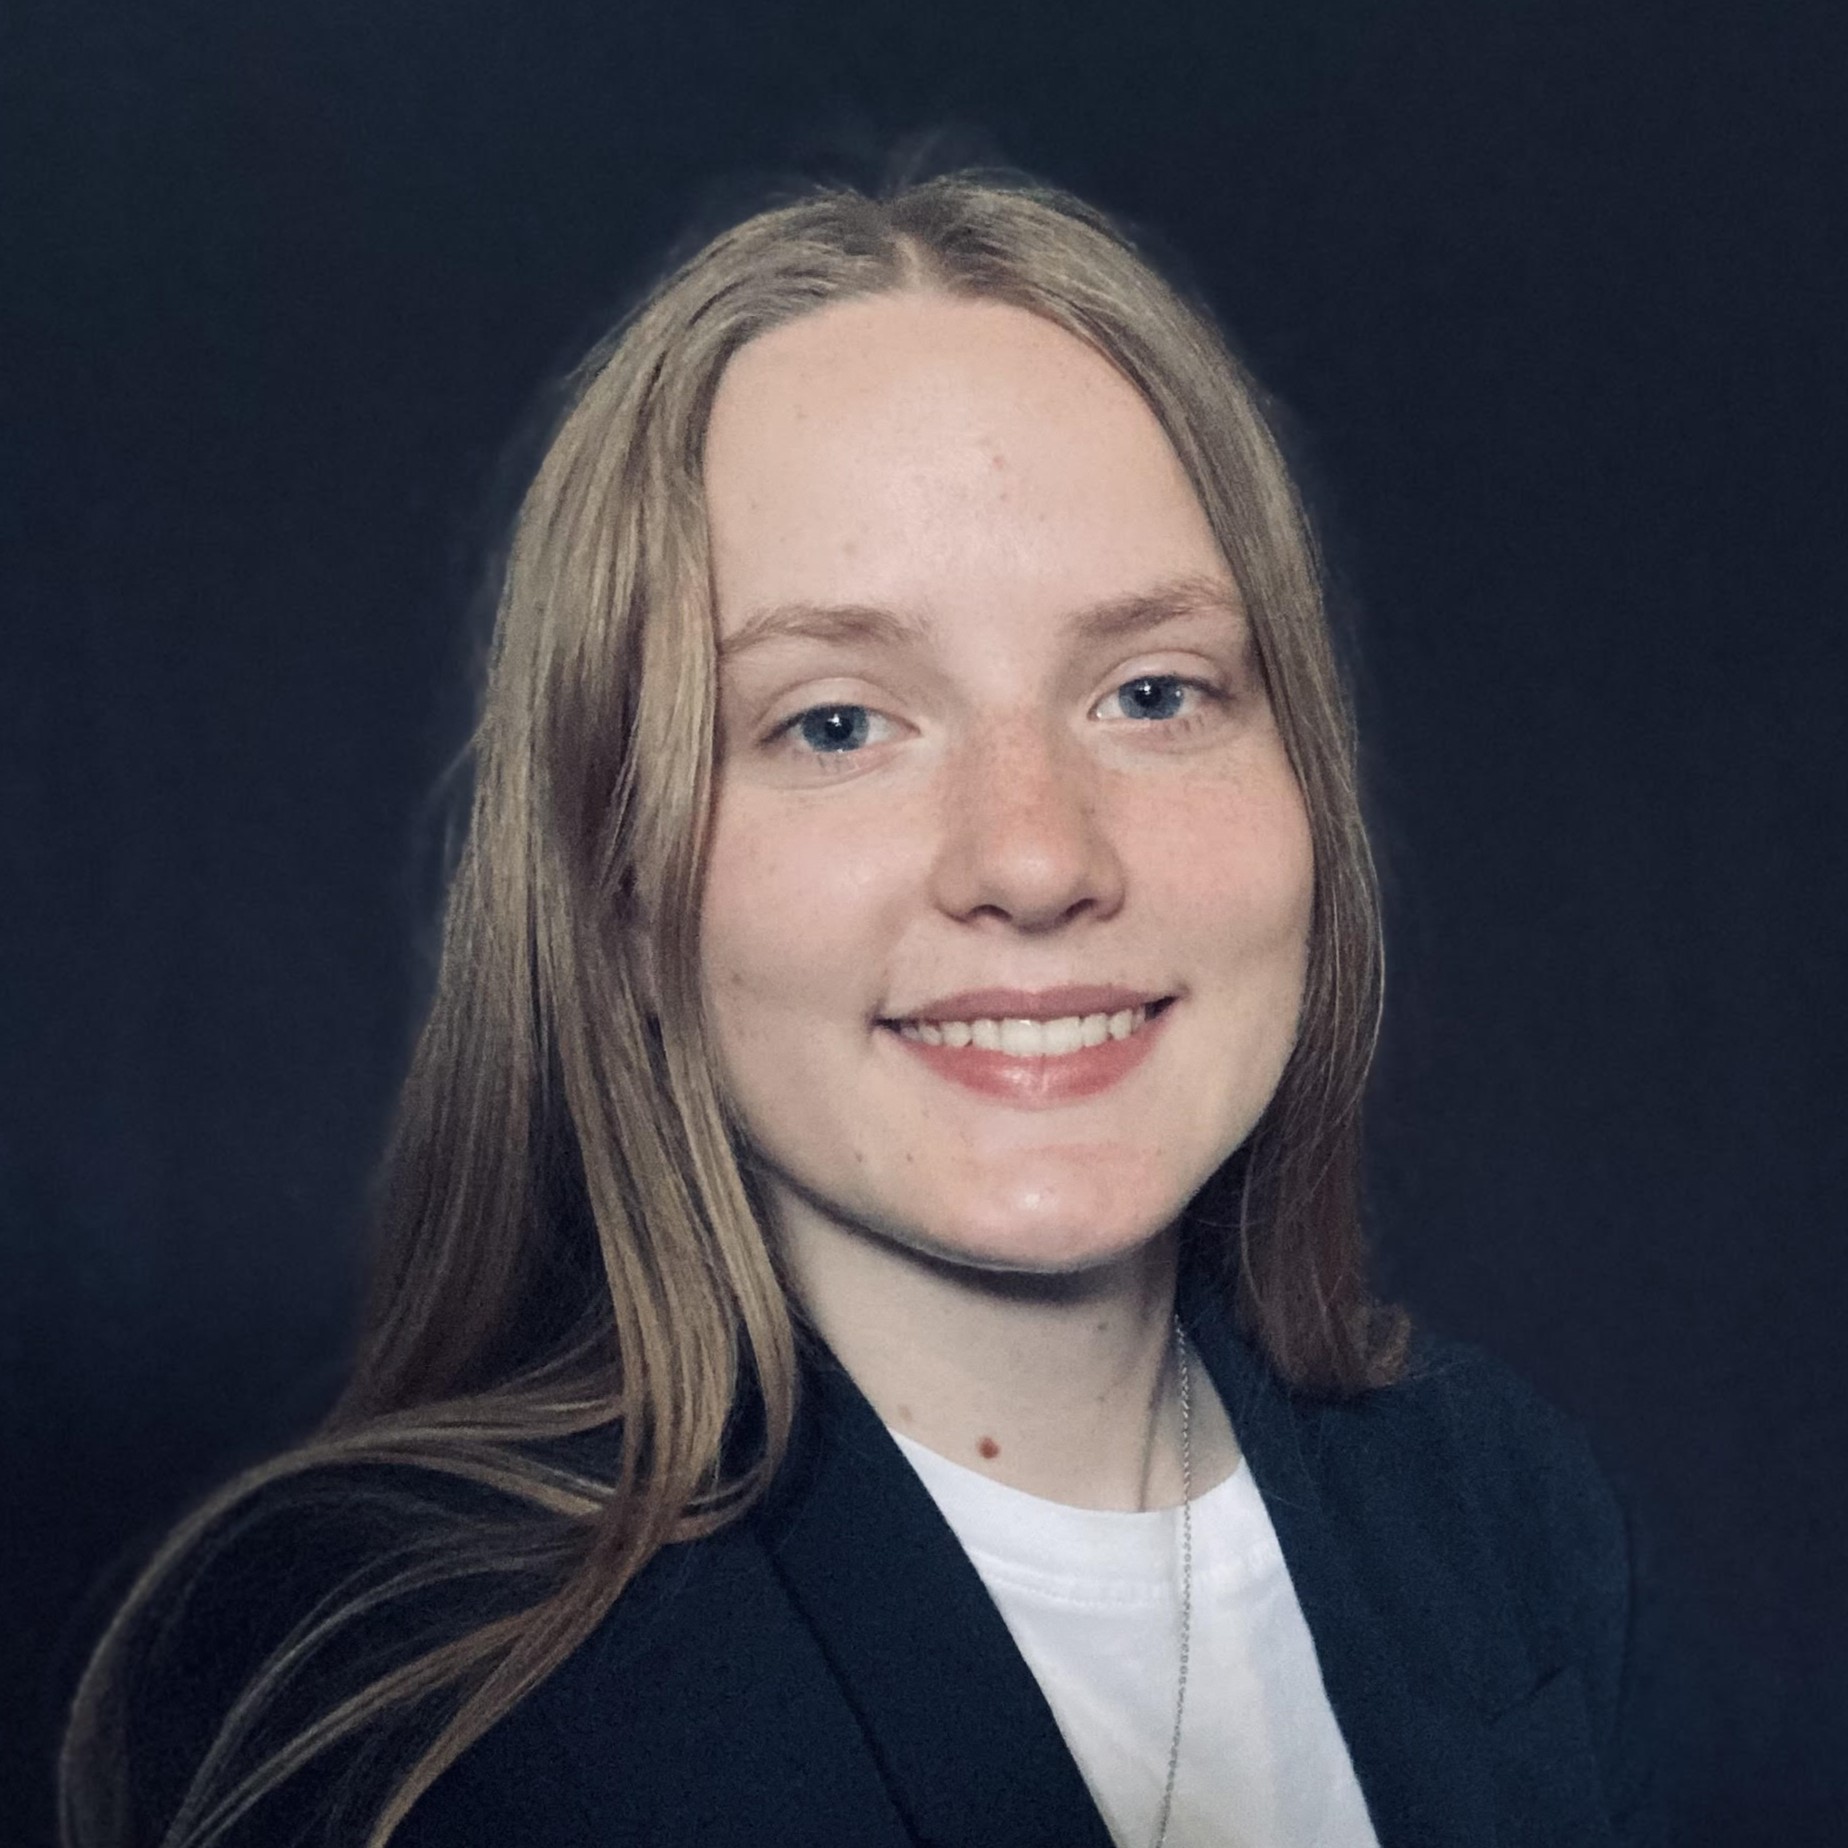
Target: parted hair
<point>574,1308</point>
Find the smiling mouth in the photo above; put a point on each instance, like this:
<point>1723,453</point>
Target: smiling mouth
<point>1019,1038</point>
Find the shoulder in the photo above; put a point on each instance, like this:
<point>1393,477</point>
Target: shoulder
<point>703,1708</point>
<point>1485,1514</point>
<point>1462,1460</point>
<point>1470,1425</point>
<point>282,1603</point>
<point>1458,1454</point>
<point>700,1708</point>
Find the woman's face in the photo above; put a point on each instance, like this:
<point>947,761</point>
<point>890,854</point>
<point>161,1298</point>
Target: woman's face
<point>1005,921</point>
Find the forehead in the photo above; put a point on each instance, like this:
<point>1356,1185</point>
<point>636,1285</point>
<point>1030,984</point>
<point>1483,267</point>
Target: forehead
<point>926,452</point>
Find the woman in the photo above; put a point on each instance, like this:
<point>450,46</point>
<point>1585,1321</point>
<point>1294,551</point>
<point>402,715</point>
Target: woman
<point>870,1339</point>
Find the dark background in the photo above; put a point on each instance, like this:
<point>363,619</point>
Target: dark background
<point>1552,294</point>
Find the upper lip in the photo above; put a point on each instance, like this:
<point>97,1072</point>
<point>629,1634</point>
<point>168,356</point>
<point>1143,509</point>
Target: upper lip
<point>1032,1003</point>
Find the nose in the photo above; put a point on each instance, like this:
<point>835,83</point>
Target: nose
<point>1026,837</point>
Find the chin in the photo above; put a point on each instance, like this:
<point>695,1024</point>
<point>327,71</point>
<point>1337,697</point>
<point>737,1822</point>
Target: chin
<point>1040,1238</point>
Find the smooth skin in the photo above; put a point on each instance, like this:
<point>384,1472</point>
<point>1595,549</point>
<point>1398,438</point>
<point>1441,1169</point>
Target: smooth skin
<point>991,717</point>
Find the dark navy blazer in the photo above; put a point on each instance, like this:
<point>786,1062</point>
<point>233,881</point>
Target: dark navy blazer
<point>832,1670</point>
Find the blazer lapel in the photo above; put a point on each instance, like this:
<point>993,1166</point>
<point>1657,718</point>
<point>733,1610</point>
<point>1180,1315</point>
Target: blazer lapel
<point>1422,1763</point>
<point>968,1747</point>
<point>956,1724</point>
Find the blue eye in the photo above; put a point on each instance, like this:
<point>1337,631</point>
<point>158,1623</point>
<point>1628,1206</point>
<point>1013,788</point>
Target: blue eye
<point>835,728</point>
<point>1154,696</point>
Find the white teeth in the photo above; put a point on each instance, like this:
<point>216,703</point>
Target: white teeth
<point>1023,1039</point>
<point>1028,1039</point>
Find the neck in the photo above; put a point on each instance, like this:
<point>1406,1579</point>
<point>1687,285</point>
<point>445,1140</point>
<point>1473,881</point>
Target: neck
<point>1063,1386</point>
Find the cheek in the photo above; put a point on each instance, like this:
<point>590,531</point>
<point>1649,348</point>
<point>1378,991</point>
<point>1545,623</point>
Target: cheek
<point>793,914</point>
<point>1233,864</point>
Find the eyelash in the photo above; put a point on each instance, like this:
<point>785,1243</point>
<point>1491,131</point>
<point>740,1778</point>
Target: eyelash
<point>786,732</point>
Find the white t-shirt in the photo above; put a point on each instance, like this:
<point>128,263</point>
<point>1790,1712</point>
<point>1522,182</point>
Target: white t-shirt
<point>1092,1599</point>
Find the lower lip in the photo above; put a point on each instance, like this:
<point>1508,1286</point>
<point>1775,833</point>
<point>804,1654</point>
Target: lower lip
<point>1035,1083</point>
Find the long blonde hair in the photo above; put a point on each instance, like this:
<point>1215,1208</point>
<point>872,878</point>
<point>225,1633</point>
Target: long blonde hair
<point>567,1242</point>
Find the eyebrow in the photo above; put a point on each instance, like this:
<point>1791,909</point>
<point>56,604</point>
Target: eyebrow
<point>1172,600</point>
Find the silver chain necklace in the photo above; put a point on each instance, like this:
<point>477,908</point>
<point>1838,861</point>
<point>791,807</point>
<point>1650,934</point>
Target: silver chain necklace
<point>1180,1692</point>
